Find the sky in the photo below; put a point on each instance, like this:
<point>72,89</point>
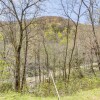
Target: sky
<point>54,8</point>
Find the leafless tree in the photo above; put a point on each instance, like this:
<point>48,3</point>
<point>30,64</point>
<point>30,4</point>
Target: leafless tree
<point>91,8</point>
<point>78,14</point>
<point>14,13</point>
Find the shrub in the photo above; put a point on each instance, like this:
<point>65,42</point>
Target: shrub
<point>75,85</point>
<point>5,87</point>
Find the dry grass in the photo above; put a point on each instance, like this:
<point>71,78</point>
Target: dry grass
<point>82,95</point>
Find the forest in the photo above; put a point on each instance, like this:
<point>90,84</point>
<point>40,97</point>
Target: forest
<point>49,49</point>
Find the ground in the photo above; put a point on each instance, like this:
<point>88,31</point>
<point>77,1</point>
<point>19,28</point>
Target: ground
<point>82,95</point>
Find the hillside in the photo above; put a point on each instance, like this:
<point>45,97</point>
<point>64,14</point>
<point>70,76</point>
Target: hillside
<point>50,41</point>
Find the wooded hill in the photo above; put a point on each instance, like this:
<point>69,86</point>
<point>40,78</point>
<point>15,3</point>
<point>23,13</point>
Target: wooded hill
<point>49,43</point>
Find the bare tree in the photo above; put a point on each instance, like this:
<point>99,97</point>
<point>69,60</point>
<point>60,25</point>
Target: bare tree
<point>78,14</point>
<point>91,8</point>
<point>14,13</point>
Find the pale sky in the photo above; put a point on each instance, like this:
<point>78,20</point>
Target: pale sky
<point>54,8</point>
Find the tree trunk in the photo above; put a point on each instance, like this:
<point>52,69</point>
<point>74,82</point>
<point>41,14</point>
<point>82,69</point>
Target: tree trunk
<point>18,58</point>
<point>17,74</point>
<point>25,64</point>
